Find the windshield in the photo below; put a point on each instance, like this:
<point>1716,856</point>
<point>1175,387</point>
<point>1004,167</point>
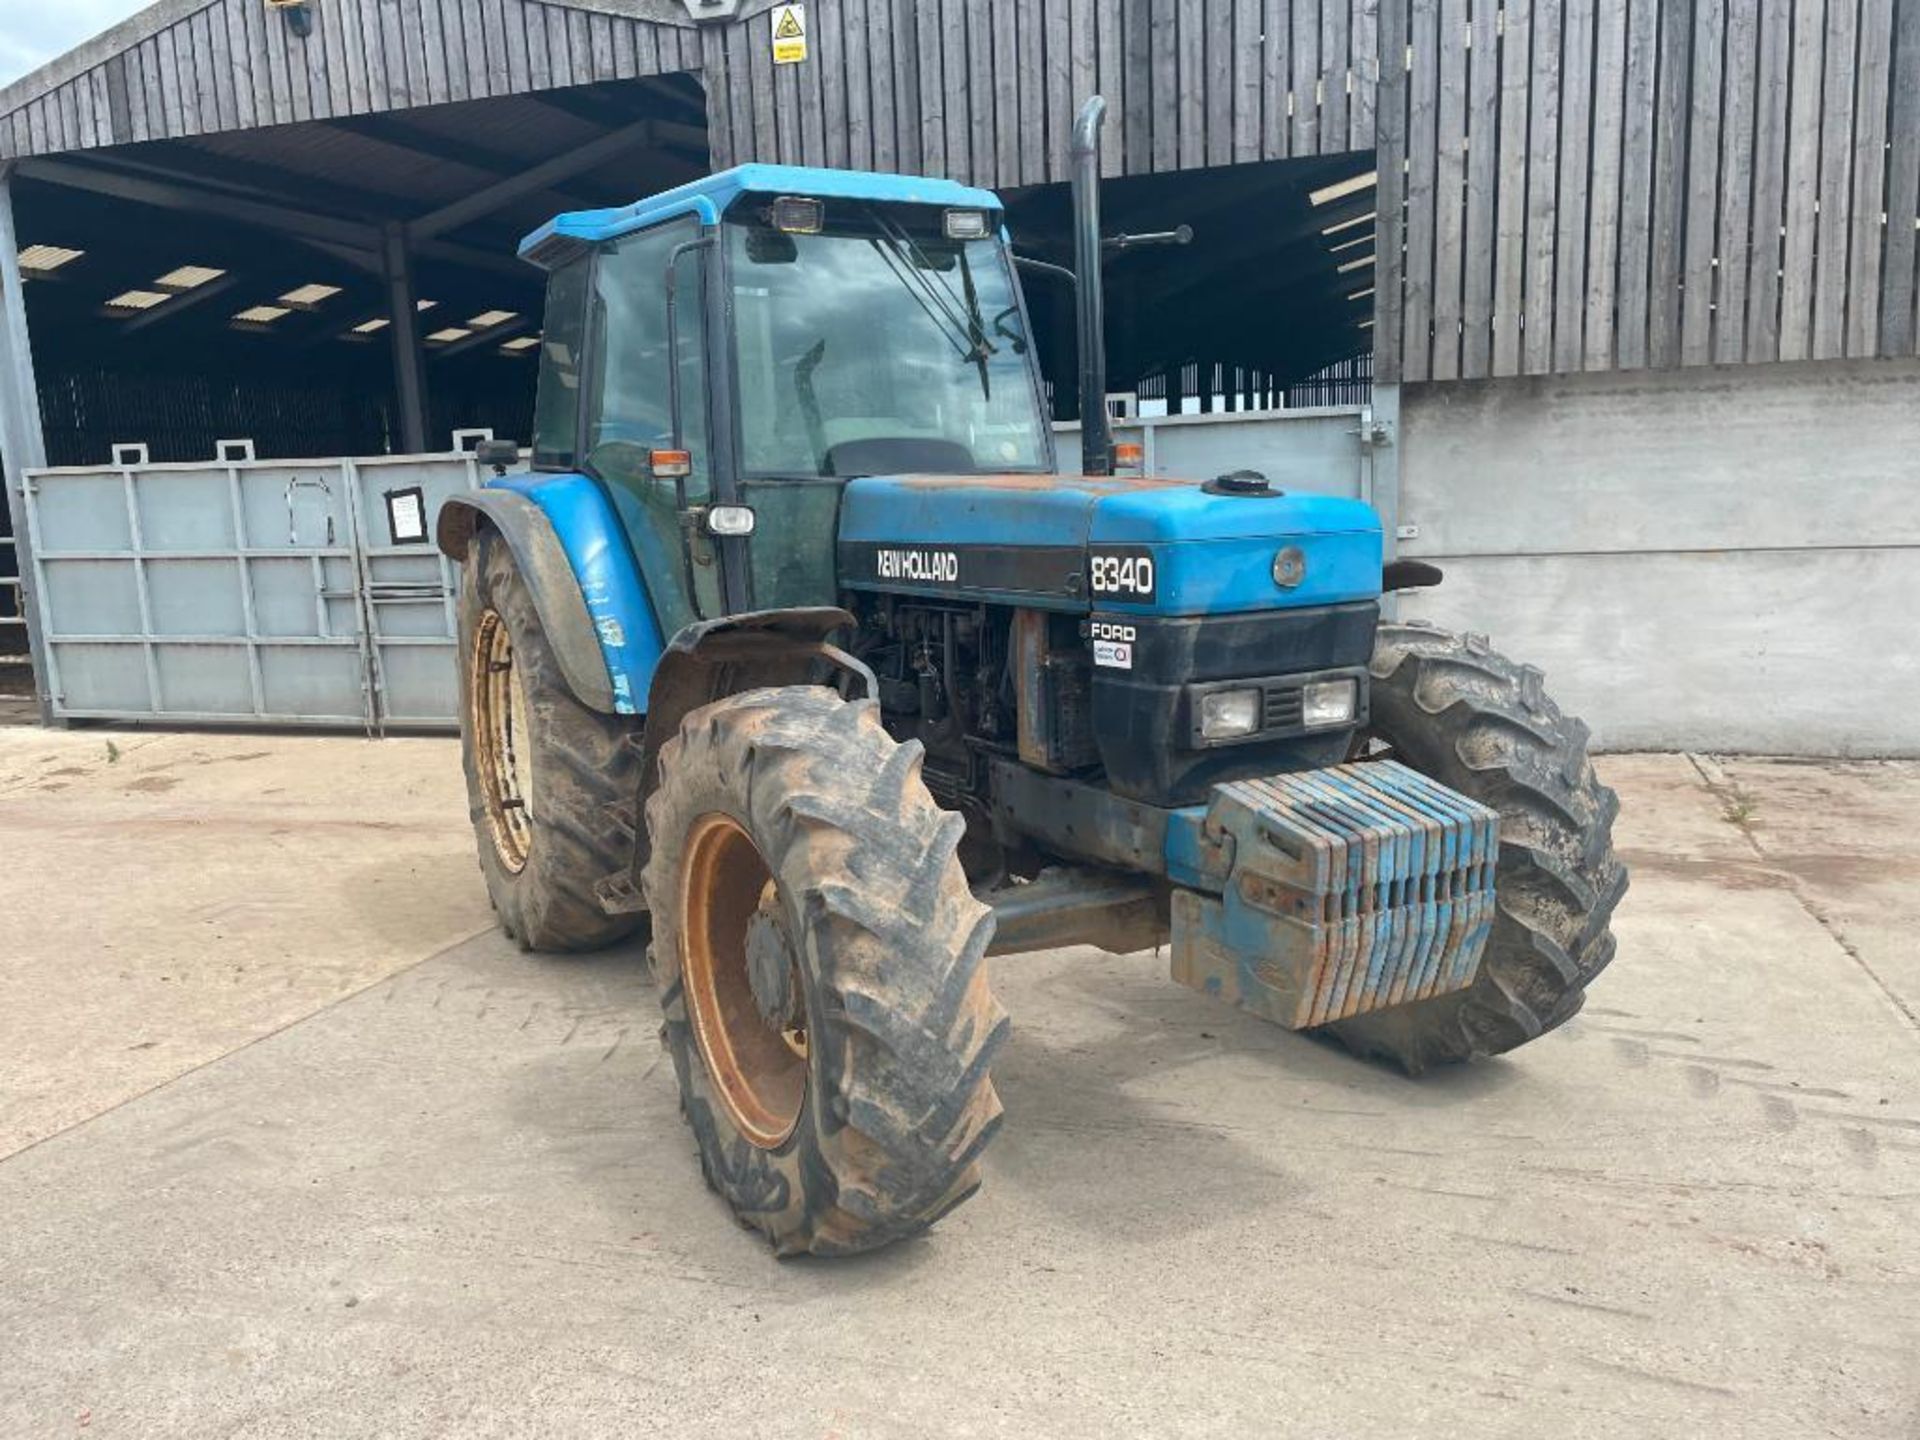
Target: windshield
<point>869,349</point>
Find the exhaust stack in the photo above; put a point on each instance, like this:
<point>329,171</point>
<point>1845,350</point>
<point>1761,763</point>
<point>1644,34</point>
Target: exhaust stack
<point>1096,440</point>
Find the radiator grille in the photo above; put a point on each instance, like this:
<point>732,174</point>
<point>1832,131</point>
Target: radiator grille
<point>1281,706</point>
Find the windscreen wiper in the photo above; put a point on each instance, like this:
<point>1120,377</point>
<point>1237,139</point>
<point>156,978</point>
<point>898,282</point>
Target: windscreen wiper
<point>952,327</point>
<point>966,331</point>
<point>983,348</point>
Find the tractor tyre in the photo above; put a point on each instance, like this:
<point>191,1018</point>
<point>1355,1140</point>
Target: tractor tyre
<point>1460,713</point>
<point>546,776</point>
<point>820,963</point>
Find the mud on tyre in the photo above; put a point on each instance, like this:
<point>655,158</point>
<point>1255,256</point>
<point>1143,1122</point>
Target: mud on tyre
<point>820,963</point>
<point>545,774</point>
<point>1456,710</point>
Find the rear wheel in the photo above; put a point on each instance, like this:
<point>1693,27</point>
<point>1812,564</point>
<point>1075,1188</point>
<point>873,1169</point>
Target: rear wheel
<point>1456,710</point>
<point>820,961</point>
<point>544,773</point>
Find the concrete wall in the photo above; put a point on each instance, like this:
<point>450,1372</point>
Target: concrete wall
<point>1717,559</point>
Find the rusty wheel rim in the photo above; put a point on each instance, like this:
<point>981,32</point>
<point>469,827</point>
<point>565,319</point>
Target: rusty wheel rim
<point>758,1062</point>
<point>498,724</point>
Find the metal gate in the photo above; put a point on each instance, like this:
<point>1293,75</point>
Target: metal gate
<point>13,609</point>
<point>281,592</point>
<point>1331,450</point>
<point>310,592</point>
<point>408,587</point>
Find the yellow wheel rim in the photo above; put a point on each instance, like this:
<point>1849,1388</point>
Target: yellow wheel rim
<point>758,1063</point>
<point>501,741</point>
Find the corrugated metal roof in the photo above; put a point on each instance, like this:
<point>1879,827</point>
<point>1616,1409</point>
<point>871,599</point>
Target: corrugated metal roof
<point>187,68</point>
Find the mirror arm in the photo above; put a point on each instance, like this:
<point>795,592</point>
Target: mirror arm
<point>1179,235</point>
<point>1047,267</point>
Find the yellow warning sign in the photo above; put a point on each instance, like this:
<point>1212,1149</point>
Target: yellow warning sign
<point>789,34</point>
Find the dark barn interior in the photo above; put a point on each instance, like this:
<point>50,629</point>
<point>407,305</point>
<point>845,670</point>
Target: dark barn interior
<point>1274,288</point>
<point>239,286</point>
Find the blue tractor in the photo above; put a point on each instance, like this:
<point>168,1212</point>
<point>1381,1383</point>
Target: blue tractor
<point>794,649</point>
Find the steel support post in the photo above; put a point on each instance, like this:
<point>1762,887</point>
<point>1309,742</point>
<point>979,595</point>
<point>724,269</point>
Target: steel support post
<point>1380,445</point>
<point>409,360</point>
<point>23,443</point>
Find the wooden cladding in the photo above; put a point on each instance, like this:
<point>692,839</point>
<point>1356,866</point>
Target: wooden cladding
<point>982,90</point>
<point>235,65</point>
<point>1563,184</point>
<point>986,90</point>
<point>1616,184</point>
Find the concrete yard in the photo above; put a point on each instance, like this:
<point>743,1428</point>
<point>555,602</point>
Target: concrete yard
<point>292,1142</point>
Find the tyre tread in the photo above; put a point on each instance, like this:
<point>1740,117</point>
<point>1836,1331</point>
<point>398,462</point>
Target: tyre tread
<point>588,764</point>
<point>895,947</point>
<point>1456,709</point>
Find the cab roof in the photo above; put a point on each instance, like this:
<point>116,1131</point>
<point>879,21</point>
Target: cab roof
<point>709,197</point>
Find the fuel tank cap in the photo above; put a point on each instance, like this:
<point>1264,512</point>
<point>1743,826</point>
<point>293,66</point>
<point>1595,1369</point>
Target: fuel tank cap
<point>1248,483</point>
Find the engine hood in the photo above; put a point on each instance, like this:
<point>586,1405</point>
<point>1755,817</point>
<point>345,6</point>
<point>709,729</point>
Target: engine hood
<point>1130,545</point>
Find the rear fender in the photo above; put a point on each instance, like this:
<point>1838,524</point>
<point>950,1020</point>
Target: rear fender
<point>567,542</point>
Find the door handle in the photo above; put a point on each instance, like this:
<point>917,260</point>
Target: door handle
<point>293,518</point>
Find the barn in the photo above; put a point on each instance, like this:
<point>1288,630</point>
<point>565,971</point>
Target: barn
<point>1608,306</point>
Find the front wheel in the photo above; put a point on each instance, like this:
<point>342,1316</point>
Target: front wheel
<point>1459,712</point>
<point>820,962</point>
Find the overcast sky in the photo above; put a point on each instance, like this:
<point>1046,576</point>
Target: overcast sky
<point>32,32</point>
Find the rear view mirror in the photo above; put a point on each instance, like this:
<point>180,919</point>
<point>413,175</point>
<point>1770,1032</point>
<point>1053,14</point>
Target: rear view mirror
<point>499,454</point>
<point>770,247</point>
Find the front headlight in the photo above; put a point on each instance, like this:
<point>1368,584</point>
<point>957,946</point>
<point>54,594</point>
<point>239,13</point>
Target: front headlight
<point>1329,702</point>
<point>1226,714</point>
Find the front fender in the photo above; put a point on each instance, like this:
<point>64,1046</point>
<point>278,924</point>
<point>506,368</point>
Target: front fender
<point>713,658</point>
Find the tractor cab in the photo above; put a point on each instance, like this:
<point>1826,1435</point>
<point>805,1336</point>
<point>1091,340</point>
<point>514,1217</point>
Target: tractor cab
<point>723,356</point>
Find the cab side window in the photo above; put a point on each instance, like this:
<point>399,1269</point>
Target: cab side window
<point>556,413</point>
<point>633,406</point>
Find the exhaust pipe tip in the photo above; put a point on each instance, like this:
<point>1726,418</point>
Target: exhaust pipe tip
<point>1086,126</point>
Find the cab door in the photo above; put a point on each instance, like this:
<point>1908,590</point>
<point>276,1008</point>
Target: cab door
<point>605,406</point>
<point>629,413</point>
